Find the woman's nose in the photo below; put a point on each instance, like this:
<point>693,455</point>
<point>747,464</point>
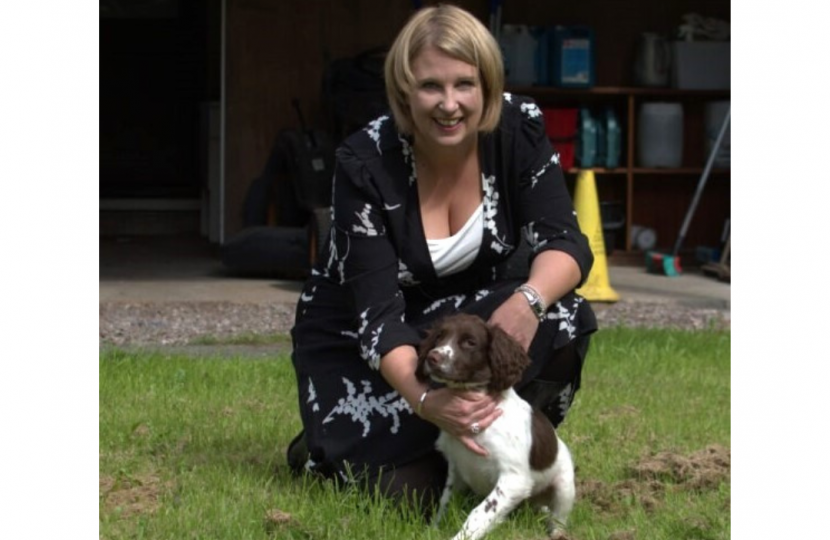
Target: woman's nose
<point>449,103</point>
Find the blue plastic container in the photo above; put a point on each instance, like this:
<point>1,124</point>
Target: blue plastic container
<point>572,57</point>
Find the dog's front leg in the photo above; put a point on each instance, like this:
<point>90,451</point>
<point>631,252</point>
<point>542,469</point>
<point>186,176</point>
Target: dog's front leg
<point>449,486</point>
<point>506,496</point>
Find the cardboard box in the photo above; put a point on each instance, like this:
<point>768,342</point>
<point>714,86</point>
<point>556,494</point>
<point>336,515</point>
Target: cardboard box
<point>701,65</point>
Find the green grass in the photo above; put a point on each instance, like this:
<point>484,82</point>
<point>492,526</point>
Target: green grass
<point>244,339</point>
<point>194,448</point>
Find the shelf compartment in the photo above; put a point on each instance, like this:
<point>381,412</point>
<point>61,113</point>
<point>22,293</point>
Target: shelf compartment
<point>598,170</point>
<point>678,171</point>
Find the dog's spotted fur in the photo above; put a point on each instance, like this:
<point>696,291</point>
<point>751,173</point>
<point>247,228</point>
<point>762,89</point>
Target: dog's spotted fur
<point>527,460</point>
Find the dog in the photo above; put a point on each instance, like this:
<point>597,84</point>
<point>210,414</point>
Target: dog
<point>527,460</point>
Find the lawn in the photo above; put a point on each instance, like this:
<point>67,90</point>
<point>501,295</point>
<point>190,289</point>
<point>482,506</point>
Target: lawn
<point>193,447</point>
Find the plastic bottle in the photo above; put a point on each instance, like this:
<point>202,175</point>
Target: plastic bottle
<point>602,139</point>
<point>613,135</point>
<point>522,57</point>
<point>660,135</point>
<point>586,141</point>
<point>573,57</point>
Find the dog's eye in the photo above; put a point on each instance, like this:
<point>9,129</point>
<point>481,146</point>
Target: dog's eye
<point>468,343</point>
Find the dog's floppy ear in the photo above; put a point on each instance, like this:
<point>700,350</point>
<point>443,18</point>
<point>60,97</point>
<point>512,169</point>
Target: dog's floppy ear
<point>508,359</point>
<point>427,344</point>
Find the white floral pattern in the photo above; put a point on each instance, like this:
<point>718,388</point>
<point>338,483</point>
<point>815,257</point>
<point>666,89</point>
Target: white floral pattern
<point>491,210</point>
<point>369,352</point>
<point>365,226</point>
<point>531,110</point>
<point>360,407</point>
<point>374,130</point>
<point>566,397</point>
<point>312,396</point>
<point>405,277</point>
<point>565,316</point>
<point>458,299</point>
<point>408,159</point>
<point>481,294</point>
<point>534,177</point>
<point>532,237</point>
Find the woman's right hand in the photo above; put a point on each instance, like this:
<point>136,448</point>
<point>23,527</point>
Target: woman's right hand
<point>455,411</point>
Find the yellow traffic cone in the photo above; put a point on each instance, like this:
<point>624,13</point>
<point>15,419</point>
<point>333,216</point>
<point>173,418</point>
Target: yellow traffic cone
<point>597,287</point>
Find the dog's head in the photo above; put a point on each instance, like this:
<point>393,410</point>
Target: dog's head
<point>464,351</point>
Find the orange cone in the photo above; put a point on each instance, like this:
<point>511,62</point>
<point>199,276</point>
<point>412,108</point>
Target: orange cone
<point>596,288</point>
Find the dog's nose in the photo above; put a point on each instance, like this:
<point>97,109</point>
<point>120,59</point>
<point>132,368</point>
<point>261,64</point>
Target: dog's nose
<point>434,357</point>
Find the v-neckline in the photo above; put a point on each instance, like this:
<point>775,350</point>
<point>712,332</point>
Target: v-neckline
<point>470,220</point>
<point>423,246</point>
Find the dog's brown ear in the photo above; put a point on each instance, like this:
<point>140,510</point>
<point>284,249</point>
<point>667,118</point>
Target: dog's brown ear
<point>427,344</point>
<point>508,360</point>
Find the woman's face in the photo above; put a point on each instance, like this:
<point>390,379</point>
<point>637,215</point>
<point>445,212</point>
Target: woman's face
<point>446,102</point>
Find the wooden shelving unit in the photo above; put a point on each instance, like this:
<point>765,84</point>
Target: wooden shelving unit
<point>645,190</point>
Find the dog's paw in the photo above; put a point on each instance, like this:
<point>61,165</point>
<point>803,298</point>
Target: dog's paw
<point>559,534</point>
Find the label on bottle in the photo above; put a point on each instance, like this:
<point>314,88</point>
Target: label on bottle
<point>576,61</point>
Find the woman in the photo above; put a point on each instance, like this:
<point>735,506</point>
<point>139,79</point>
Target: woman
<point>427,205</point>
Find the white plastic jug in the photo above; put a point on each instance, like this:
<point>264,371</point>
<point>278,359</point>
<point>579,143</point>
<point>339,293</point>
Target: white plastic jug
<point>519,47</point>
<point>660,135</point>
<point>653,60</point>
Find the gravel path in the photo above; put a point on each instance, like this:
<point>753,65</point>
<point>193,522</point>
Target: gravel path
<point>179,323</point>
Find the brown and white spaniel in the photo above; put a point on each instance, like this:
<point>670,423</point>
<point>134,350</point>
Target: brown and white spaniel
<point>527,460</point>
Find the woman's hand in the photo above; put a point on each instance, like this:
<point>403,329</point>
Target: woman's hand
<point>455,412</point>
<point>516,318</point>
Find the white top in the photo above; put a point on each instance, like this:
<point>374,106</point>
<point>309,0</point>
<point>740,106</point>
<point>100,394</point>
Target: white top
<point>457,252</point>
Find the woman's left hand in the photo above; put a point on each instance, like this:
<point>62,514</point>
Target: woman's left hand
<point>516,318</point>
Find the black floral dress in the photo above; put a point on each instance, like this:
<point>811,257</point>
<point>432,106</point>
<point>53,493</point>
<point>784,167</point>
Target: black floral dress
<point>377,288</point>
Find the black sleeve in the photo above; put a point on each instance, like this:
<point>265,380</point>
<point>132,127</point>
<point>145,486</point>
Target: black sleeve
<point>366,261</point>
<point>547,212</point>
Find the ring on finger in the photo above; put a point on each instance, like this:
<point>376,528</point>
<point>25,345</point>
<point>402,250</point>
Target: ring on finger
<point>475,428</point>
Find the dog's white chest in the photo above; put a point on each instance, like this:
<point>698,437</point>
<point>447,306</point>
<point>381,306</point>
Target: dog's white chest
<point>507,440</point>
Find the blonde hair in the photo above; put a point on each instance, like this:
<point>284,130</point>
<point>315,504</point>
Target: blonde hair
<point>456,33</point>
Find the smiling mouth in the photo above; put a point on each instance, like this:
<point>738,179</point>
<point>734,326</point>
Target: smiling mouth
<point>451,122</point>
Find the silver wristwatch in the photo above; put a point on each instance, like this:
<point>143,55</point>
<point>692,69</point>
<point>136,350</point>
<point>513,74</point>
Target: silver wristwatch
<point>537,305</point>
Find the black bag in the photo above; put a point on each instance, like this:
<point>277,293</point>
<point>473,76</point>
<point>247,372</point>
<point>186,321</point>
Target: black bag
<point>270,252</point>
<point>310,163</point>
<point>354,92</point>
<point>272,194</point>
<point>298,178</point>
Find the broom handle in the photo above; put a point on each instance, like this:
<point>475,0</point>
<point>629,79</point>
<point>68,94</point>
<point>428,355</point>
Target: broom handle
<point>702,183</point>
